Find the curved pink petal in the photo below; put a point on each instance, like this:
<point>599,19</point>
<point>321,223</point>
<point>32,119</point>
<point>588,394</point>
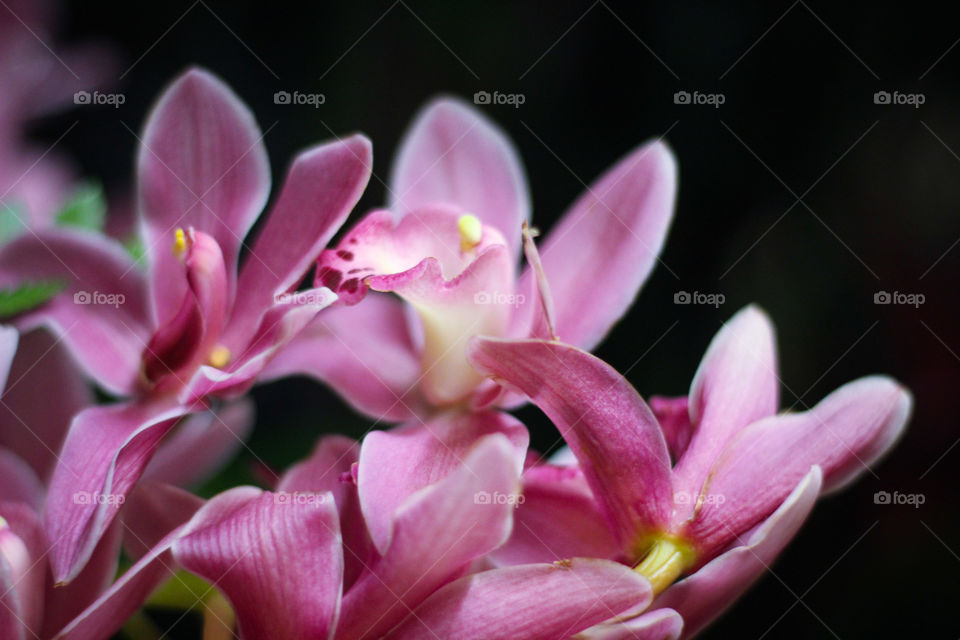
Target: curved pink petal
<point>703,596</point>
<point>395,464</point>
<point>558,518</point>
<point>103,456</point>
<point>23,571</point>
<point>736,384</point>
<point>201,163</point>
<point>452,154</point>
<point>322,187</point>
<point>202,444</point>
<point>509,603</point>
<point>437,532</point>
<point>674,418</point>
<point>364,352</point>
<point>843,434</point>
<point>604,420</point>
<point>101,316</point>
<point>598,256</point>
<point>659,624</point>
<point>151,513</point>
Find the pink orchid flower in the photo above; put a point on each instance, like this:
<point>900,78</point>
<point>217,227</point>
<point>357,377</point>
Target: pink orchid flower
<point>196,327</point>
<point>300,563</point>
<point>449,246</point>
<point>744,478</point>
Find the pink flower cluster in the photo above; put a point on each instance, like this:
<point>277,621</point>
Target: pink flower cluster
<point>437,314</point>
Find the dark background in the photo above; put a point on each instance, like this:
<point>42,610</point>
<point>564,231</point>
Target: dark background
<point>879,187</point>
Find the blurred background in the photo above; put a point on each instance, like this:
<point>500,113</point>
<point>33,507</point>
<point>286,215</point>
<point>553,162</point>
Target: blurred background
<point>819,154</point>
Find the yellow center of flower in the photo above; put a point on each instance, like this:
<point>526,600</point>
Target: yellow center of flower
<point>665,561</point>
<point>179,242</point>
<point>471,231</point>
<point>219,356</point>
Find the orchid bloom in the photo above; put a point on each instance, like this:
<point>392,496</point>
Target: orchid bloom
<point>203,330</point>
<point>299,562</point>
<point>448,247</point>
<point>744,478</point>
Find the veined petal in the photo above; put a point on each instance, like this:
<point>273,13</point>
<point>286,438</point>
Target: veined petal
<point>394,464</point>
<point>322,187</point>
<point>604,420</point>
<point>602,250</point>
<point>659,624</point>
<point>843,434</point>
<point>508,603</point>
<point>462,526</point>
<point>452,154</point>
<point>201,163</point>
<point>704,595</point>
<point>735,385</point>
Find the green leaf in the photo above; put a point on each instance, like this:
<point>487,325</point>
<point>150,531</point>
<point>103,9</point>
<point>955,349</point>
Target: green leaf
<point>134,246</point>
<point>27,296</point>
<point>11,223</point>
<point>87,209</point>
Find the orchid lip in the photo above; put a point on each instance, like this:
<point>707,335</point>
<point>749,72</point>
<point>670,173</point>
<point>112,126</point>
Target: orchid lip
<point>665,561</point>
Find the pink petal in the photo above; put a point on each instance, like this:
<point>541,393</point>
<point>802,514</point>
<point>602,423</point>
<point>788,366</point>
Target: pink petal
<point>279,563</point>
<point>397,463</point>
<point>18,482</point>
<point>202,164</point>
<point>100,316</point>
<point>151,513</point>
<point>103,456</point>
<point>602,250</point>
<point>674,418</point>
<point>604,420</point>
<point>735,385</point>
<point>659,624</point>
<point>844,435</point>
<point>22,571</point>
<point>364,352</point>
<point>323,185</point>
<point>460,528</point>
<point>703,596</point>
<point>509,603</point>
<point>452,154</point>
<point>559,518</point>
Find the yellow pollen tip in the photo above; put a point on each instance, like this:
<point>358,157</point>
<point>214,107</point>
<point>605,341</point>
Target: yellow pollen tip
<point>179,242</point>
<point>219,356</point>
<point>471,231</point>
<point>666,560</point>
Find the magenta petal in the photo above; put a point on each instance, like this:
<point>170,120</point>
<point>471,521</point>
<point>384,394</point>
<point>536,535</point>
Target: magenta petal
<point>202,164</point>
<point>703,596</point>
<point>323,185</point>
<point>659,624</point>
<point>467,514</point>
<point>152,512</point>
<point>534,602</point>
<point>602,250</point>
<point>843,434</point>
<point>103,456</point>
<point>674,418</point>
<point>453,155</point>
<point>736,384</point>
<point>604,420</point>
<point>22,571</point>
<point>278,562</point>
<point>364,352</point>
<point>395,464</point>
<point>101,316</point>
